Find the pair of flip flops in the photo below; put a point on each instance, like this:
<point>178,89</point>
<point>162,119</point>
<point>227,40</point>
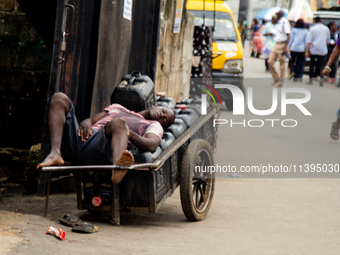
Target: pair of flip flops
<point>78,225</point>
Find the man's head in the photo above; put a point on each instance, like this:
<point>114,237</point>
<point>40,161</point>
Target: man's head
<point>279,14</point>
<point>274,19</point>
<point>318,19</point>
<point>332,26</point>
<point>163,115</point>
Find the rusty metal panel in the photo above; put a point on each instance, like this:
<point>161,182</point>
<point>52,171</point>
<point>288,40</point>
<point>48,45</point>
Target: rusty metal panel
<point>114,45</point>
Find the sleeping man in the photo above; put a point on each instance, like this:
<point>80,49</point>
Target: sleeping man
<point>104,137</point>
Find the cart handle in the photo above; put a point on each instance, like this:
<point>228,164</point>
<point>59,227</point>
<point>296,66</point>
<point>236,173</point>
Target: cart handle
<point>143,167</point>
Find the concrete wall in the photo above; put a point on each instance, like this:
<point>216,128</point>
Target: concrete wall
<point>174,53</point>
<point>24,75</point>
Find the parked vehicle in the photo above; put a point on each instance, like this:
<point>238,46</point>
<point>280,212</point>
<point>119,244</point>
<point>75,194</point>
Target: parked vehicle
<point>227,61</point>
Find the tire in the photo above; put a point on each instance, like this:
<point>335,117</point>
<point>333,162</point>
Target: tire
<point>229,104</point>
<point>197,188</point>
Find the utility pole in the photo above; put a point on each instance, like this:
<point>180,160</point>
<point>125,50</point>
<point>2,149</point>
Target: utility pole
<point>243,10</point>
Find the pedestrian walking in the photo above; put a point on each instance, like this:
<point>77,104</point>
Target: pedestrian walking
<point>317,41</point>
<point>297,45</point>
<point>242,30</point>
<point>280,49</point>
<point>243,26</point>
<point>254,27</point>
<point>268,31</point>
<point>333,38</point>
<point>338,31</point>
<point>326,71</point>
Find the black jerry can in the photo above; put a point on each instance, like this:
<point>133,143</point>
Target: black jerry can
<point>136,92</point>
<point>189,116</point>
<point>177,128</point>
<point>167,139</point>
<point>167,102</point>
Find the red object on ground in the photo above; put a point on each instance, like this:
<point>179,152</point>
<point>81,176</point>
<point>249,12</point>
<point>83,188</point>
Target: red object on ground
<point>56,232</point>
<point>181,106</point>
<point>97,201</point>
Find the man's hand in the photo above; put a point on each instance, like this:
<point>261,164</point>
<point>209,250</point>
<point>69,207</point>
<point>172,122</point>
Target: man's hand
<point>306,54</point>
<point>128,132</point>
<point>325,72</point>
<point>85,130</point>
<point>285,51</point>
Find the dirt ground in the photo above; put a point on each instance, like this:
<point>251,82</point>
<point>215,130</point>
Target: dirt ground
<point>248,216</point>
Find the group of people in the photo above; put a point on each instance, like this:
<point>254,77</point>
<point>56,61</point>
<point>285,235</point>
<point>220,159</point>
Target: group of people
<point>321,44</point>
<point>297,44</point>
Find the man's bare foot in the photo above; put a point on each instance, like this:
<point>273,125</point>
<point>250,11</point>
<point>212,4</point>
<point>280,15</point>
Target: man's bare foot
<point>126,159</point>
<point>51,160</point>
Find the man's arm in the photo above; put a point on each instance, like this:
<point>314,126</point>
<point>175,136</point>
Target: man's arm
<point>148,143</point>
<point>286,45</point>
<point>85,128</point>
<point>291,38</point>
<point>332,58</point>
<point>309,43</point>
<point>307,50</point>
<point>265,31</point>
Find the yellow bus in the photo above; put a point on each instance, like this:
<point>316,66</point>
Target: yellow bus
<point>227,61</point>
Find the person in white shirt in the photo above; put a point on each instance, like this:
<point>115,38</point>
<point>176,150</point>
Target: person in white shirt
<point>269,34</point>
<point>280,49</point>
<point>317,41</point>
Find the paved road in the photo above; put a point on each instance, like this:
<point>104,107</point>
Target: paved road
<point>248,215</point>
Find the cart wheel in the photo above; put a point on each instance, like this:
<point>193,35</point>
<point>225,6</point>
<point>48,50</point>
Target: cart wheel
<point>197,187</point>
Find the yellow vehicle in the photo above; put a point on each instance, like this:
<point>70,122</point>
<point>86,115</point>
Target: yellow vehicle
<point>227,61</point>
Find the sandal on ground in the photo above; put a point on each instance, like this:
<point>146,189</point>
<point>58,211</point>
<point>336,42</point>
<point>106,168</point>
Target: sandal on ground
<point>84,227</point>
<point>335,131</point>
<point>69,220</point>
